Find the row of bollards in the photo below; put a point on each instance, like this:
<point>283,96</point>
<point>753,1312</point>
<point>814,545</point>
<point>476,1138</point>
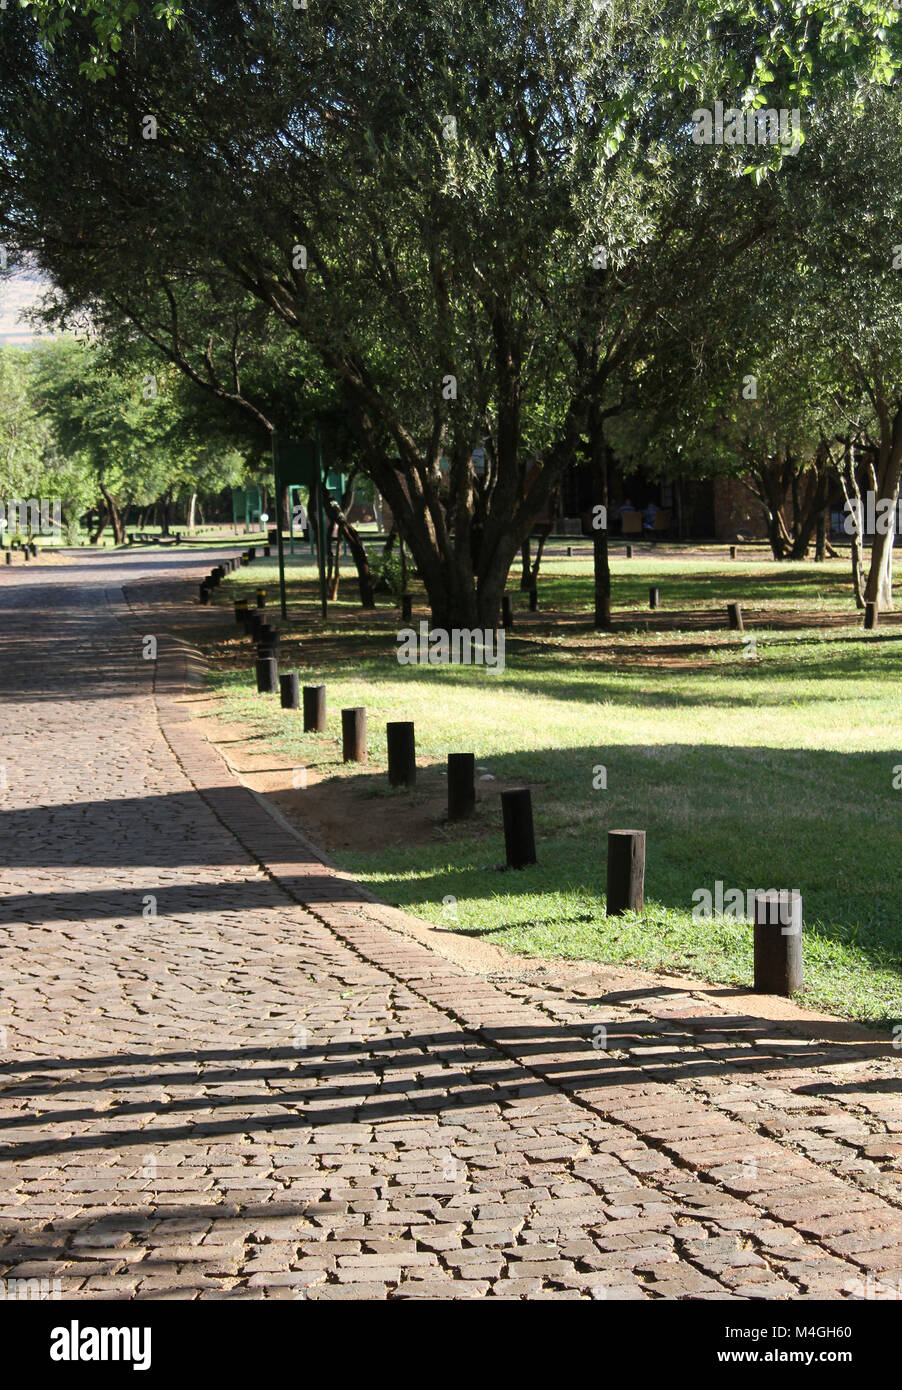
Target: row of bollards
<point>401,745</point>
<point>28,548</point>
<point>219,572</point>
<point>777,913</point>
<point>777,938</point>
<point>777,925</point>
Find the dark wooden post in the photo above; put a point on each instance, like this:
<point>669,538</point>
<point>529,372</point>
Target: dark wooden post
<point>734,617</point>
<point>507,612</point>
<point>569,551</point>
<point>314,709</point>
<point>519,835</point>
<point>533,599</point>
<point>241,611</point>
<point>402,762</point>
<point>353,734</point>
<point>267,675</point>
<point>406,608</point>
<point>261,598</point>
<point>461,785</point>
<point>654,597</point>
<point>290,690</point>
<point>267,639</point>
<point>625,891</point>
<point>252,552</point>
<point>204,588</point>
<point>732,552</point>
<point>778,941</point>
<point>870,616</point>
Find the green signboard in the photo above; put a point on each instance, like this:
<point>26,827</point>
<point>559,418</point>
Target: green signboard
<point>295,461</point>
<point>246,502</point>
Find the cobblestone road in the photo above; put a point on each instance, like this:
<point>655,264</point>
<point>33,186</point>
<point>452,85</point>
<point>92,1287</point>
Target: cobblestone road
<point>222,1076</point>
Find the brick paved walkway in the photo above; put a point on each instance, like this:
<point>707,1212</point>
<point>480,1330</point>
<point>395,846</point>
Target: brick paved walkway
<point>265,1092</point>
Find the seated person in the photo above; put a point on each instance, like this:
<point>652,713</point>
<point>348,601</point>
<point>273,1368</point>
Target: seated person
<point>648,516</point>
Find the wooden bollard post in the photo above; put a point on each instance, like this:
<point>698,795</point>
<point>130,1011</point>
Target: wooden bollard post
<point>261,598</point>
<point>314,709</point>
<point>519,835</point>
<point>406,608</point>
<point>252,552</point>
<point>569,552</point>
<point>9,560</point>
<point>654,597</point>
<point>778,941</point>
<point>870,616</point>
<point>241,611</point>
<point>629,552</point>
<point>353,734</point>
<point>734,617</point>
<point>533,599</point>
<point>267,675</point>
<point>507,612</point>
<point>204,588</point>
<point>402,758</point>
<point>461,785</point>
<point>732,552</point>
<point>266,552</point>
<point>625,889</point>
<point>290,690</point>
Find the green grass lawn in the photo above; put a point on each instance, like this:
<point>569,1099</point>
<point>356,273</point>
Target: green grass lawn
<point>775,771</point>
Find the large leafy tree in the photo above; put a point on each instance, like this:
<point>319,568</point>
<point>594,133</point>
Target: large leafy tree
<point>473,228</point>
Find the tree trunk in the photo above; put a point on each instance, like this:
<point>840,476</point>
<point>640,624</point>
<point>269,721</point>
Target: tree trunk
<point>820,542</point>
<point>336,514</point>
<point>600,458</point>
<point>191,509</point>
<point>118,531</point>
<point>852,494</point>
<point>767,494</point>
<point>526,565</point>
<point>879,587</point>
<point>530,575</point>
<point>810,514</point>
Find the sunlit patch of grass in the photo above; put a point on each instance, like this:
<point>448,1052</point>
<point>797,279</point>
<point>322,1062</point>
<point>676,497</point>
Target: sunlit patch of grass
<point>776,771</point>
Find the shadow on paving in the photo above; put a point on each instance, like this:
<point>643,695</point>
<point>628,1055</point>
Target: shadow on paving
<point>333,1083</point>
<point>78,1237</point>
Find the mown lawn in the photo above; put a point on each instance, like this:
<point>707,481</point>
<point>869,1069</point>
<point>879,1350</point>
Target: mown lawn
<point>769,771</point>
